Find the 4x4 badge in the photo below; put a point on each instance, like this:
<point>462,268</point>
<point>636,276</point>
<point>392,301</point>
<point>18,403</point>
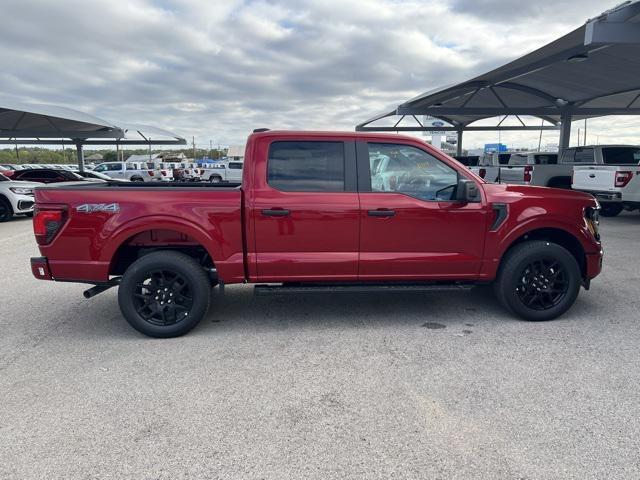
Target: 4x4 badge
<point>98,207</point>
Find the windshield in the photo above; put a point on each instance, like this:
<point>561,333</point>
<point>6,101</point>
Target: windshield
<point>621,155</point>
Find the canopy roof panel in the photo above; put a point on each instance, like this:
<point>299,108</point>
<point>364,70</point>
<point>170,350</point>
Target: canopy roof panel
<point>19,120</point>
<point>49,124</point>
<point>590,72</point>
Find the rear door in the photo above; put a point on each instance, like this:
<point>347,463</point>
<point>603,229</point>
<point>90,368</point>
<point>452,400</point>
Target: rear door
<point>411,228</point>
<point>306,210</point>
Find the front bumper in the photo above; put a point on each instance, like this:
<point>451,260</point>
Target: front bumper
<point>594,264</point>
<point>23,203</point>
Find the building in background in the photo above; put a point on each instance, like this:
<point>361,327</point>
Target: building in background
<point>236,152</point>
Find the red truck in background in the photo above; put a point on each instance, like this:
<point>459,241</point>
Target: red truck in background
<point>319,212</point>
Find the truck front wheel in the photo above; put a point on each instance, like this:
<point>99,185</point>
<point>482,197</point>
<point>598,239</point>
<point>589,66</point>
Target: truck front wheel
<point>538,280</point>
<point>164,294</point>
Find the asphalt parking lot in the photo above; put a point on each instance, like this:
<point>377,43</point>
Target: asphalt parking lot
<point>421,386</point>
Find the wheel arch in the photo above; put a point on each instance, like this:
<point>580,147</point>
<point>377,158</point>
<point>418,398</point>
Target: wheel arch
<point>559,236</point>
<point>151,234</point>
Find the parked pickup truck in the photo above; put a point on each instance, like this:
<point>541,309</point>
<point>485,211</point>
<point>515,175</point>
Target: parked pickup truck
<point>535,168</point>
<point>488,167</point>
<point>319,212</point>
<point>616,183</point>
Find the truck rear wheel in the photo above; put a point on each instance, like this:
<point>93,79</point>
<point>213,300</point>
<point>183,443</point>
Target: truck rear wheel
<point>538,280</point>
<point>611,209</point>
<point>215,179</point>
<point>164,294</point>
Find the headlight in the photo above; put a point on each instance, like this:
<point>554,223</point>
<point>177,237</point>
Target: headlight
<point>592,218</point>
<point>21,190</point>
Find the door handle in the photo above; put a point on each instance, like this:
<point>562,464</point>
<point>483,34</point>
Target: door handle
<point>381,213</point>
<point>275,212</point>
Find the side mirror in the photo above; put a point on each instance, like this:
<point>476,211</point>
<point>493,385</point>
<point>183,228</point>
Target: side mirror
<point>467,191</point>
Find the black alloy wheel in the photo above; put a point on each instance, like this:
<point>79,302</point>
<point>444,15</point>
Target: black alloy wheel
<point>163,298</point>
<point>543,284</point>
<point>538,280</point>
<point>164,294</point>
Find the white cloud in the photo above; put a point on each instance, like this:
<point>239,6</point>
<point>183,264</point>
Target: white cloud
<point>218,69</point>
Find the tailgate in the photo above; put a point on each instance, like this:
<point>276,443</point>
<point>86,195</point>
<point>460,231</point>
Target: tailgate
<point>512,174</point>
<point>596,178</point>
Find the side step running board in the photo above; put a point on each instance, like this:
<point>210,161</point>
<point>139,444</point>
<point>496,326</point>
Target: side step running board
<point>358,288</point>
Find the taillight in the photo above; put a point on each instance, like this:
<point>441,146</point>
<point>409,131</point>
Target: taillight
<point>528,169</point>
<point>623,179</point>
<point>47,223</point>
<point>151,173</point>
<point>8,173</point>
<point>482,172</point>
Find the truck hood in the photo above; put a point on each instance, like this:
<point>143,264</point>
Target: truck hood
<point>502,192</point>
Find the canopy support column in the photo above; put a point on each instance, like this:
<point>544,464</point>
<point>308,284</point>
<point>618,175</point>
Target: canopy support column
<point>80,154</point>
<point>565,132</point>
<point>459,144</point>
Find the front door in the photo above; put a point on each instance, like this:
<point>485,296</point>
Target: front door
<point>411,226</point>
<point>306,212</point>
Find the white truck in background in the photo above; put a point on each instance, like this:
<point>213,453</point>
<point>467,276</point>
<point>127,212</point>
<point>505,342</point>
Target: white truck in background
<point>133,171</point>
<point>536,168</point>
<point>227,171</point>
<point>614,181</point>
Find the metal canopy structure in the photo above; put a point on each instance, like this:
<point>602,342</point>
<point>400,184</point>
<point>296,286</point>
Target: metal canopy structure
<point>591,72</point>
<point>28,124</point>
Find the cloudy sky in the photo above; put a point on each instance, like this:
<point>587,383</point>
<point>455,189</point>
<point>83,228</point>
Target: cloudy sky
<point>217,69</point>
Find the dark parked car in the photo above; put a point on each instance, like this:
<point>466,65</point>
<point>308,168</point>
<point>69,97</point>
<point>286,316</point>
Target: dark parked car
<point>46,175</point>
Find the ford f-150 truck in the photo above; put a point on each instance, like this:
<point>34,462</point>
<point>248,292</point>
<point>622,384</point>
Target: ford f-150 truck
<point>616,182</point>
<point>319,212</point>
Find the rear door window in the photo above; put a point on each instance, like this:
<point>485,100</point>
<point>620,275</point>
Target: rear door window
<point>584,155</point>
<point>569,155</point>
<point>306,166</point>
<point>621,155</point>
<point>517,159</point>
<point>546,159</point>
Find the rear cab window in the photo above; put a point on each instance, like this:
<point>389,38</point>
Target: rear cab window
<point>306,166</point>
<point>546,159</point>
<point>621,155</point>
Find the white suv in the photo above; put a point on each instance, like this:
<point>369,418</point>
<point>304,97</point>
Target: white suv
<point>134,171</point>
<point>16,198</point>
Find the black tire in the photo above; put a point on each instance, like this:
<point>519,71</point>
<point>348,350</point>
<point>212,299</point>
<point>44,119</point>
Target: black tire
<point>611,209</point>
<point>6,212</point>
<point>538,280</point>
<point>164,294</point>
<point>137,179</point>
<point>215,179</point>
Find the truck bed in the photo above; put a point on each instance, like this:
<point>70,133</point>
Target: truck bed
<point>102,219</point>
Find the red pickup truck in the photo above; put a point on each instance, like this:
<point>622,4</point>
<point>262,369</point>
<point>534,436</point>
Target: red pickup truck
<point>319,212</point>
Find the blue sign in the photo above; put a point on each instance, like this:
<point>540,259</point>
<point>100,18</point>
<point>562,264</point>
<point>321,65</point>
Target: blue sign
<point>495,147</point>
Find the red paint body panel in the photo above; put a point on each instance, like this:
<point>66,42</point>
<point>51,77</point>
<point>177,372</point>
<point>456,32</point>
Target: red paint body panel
<point>326,237</point>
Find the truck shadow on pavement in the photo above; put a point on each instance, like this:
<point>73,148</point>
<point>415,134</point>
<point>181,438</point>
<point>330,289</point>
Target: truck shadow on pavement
<point>239,311</point>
